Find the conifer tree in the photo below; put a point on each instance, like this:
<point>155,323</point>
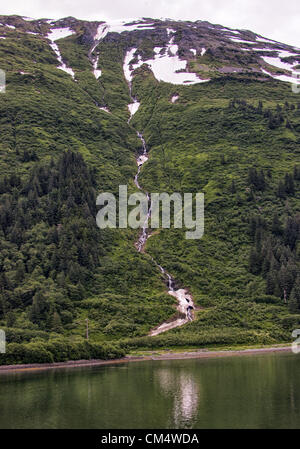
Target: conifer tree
<point>294,303</point>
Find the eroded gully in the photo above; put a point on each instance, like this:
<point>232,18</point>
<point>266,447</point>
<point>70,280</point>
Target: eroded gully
<point>185,305</point>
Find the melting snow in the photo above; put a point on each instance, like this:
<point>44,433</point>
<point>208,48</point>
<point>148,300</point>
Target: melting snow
<point>184,299</point>
<point>193,51</point>
<point>260,49</point>
<point>141,160</point>
<point>203,51</point>
<point>146,25</point>
<point>228,30</point>
<point>164,67</point>
<point>102,31</point>
<point>105,110</point>
<point>286,54</point>
<point>173,49</point>
<point>174,98</point>
<point>133,107</point>
<point>168,326</point>
<point>234,39</point>
<point>157,50</point>
<point>266,73</point>
<point>62,65</point>
<point>119,26</point>
<point>97,72</point>
<point>170,30</point>
<point>276,62</point>
<point>59,33</point>
<point>181,296</point>
<point>127,65</point>
<point>289,79</point>
<point>233,31</point>
<point>262,39</point>
<point>55,34</point>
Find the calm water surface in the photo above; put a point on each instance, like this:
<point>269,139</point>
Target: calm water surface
<point>237,392</point>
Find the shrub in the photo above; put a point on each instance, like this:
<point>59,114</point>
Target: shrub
<point>58,351</point>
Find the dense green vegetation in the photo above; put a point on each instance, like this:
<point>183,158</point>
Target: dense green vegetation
<point>54,260</point>
<point>222,140</point>
<point>236,138</point>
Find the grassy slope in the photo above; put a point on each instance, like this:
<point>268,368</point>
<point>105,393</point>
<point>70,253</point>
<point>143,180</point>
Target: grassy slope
<point>47,112</point>
<point>194,133</point>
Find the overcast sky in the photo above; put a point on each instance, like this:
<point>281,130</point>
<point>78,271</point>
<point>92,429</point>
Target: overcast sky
<point>271,18</point>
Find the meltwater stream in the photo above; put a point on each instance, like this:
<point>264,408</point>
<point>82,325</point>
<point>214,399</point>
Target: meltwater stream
<point>185,301</point>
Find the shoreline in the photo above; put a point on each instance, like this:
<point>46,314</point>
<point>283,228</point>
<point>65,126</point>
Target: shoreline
<point>200,354</point>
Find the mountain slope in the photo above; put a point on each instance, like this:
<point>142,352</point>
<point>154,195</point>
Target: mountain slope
<point>218,114</point>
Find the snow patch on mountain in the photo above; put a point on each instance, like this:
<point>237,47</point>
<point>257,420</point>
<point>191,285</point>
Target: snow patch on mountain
<point>59,33</point>
<point>157,50</point>
<point>105,110</point>
<point>54,35</point>
<point>173,49</point>
<point>8,26</point>
<point>259,49</point>
<point>286,78</point>
<point>170,30</point>
<point>128,67</point>
<point>166,64</point>
<point>231,31</point>
<point>97,72</point>
<point>262,39</point>
<point>276,62</point>
<point>241,41</point>
<point>167,67</point>
<point>289,79</point>
<point>133,107</point>
<point>102,31</point>
<point>119,26</point>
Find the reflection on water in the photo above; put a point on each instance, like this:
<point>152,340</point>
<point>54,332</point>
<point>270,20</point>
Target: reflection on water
<point>186,402</point>
<point>234,392</point>
<point>185,392</point>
